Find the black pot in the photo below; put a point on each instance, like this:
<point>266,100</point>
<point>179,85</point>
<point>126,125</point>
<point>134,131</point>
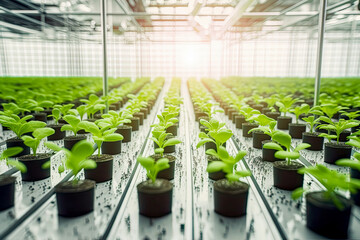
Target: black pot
<point>334,152</point>
<point>58,135</point>
<point>283,122</point>
<point>40,117</point>
<point>34,168</point>
<point>7,191</point>
<point>273,115</point>
<point>314,140</point>
<point>258,138</point>
<point>125,131</point>
<point>234,115</point>
<point>230,199</point>
<point>211,145</point>
<point>286,177</point>
<point>199,114</point>
<point>355,129</point>
<point>215,175</point>
<point>168,173</point>
<point>239,120</point>
<point>70,141</point>
<point>296,130</point>
<point>75,200</point>
<point>172,129</point>
<point>139,115</point>
<point>231,112</point>
<point>104,169</point>
<point>135,122</point>
<point>144,111</point>
<point>246,127</point>
<point>17,142</point>
<point>155,200</point>
<point>355,196</point>
<point>268,155</point>
<point>258,107</point>
<point>323,217</point>
<point>111,148</point>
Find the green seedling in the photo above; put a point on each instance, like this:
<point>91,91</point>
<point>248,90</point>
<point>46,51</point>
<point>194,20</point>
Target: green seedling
<point>94,104</point>
<point>209,108</point>
<point>20,126</point>
<point>159,137</point>
<point>351,115</point>
<point>73,124</point>
<point>115,119</point>
<point>330,109</point>
<point>76,159</point>
<point>227,164</point>
<point>283,139</point>
<point>331,180</point>
<point>38,135</point>
<point>337,127</point>
<point>10,152</point>
<point>267,125</point>
<point>166,119</point>
<point>101,132</point>
<point>46,104</point>
<point>216,133</point>
<point>249,113</point>
<point>285,104</point>
<point>12,108</point>
<point>153,167</point>
<point>56,115</point>
<point>303,109</point>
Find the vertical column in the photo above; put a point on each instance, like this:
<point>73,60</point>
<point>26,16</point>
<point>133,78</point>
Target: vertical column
<point>350,48</point>
<point>322,19</point>
<point>103,31</point>
<point>2,55</point>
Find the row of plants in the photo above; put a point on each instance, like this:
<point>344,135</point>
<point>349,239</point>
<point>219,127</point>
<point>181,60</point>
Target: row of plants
<point>230,193</point>
<point>156,193</point>
<point>36,166</point>
<point>328,212</point>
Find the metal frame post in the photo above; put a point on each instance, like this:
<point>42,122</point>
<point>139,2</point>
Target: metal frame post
<point>321,32</point>
<point>103,31</point>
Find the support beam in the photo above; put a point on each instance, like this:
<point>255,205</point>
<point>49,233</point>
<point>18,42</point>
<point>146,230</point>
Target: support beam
<point>322,19</point>
<point>105,73</point>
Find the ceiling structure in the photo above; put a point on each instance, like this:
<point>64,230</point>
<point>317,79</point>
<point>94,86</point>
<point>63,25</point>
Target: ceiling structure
<point>205,19</point>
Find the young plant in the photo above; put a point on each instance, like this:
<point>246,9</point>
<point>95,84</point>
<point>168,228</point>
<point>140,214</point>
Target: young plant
<point>249,113</point>
<point>227,164</point>
<point>56,115</point>
<point>216,133</point>
<point>337,127</point>
<point>330,109</point>
<point>8,153</point>
<point>76,159</point>
<point>94,104</point>
<point>153,167</point>
<point>12,108</point>
<point>283,139</point>
<point>303,109</point>
<point>101,132</point>
<point>267,125</point>
<point>115,119</point>
<point>285,104</point>
<point>38,135</point>
<point>166,119</point>
<point>73,124</point>
<point>351,115</point>
<point>20,126</point>
<point>332,181</point>
<point>159,137</point>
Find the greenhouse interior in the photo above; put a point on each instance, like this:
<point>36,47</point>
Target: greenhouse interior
<point>180,119</point>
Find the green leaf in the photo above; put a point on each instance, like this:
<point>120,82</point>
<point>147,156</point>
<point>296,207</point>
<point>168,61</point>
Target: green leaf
<point>285,154</point>
<point>203,135</point>
<point>52,146</point>
<point>215,166</point>
<point>83,148</point>
<point>223,154</point>
<point>66,127</point>
<point>283,138</point>
<point>159,150</point>
<point>18,165</point>
<point>240,155</point>
<point>162,164</point>
<point>88,164</point>
<point>41,133</point>
<point>203,141</point>
<point>244,173</point>
<point>113,137</point>
<point>272,145</point>
<point>212,152</point>
<point>46,165</point>
<point>171,142</point>
<point>232,177</point>
<point>72,120</point>
<point>302,146</point>
<point>61,168</point>
<point>12,151</point>
<point>146,162</point>
<point>297,193</point>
